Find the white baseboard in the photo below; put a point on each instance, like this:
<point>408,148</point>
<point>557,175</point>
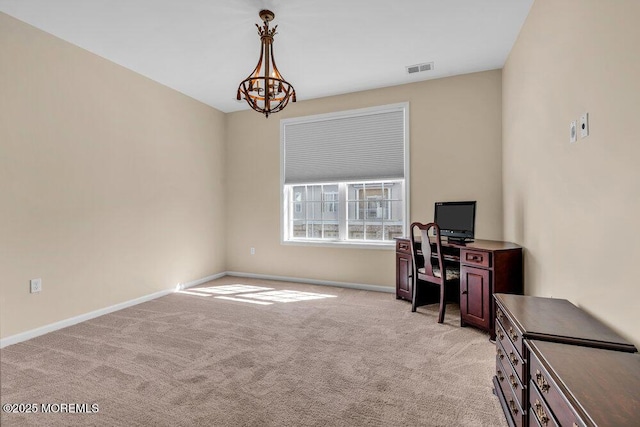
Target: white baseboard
<point>203,280</point>
<point>24,336</point>
<point>360,286</point>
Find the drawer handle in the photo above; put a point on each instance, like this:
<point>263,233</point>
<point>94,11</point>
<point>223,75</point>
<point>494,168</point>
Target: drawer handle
<point>513,334</point>
<point>474,258</point>
<point>513,358</point>
<point>543,385</point>
<point>500,315</point>
<point>513,381</point>
<point>500,353</point>
<point>541,414</point>
<point>501,335</point>
<point>499,375</point>
<point>513,407</point>
<point>404,246</point>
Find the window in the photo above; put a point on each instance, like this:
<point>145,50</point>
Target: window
<point>344,176</point>
<point>375,210</point>
<point>297,202</point>
<point>373,201</point>
<point>317,215</point>
<point>330,201</point>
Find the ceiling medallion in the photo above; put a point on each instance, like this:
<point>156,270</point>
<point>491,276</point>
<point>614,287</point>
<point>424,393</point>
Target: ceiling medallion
<point>265,90</point>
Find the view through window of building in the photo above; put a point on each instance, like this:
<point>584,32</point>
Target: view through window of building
<point>316,214</point>
<point>369,211</point>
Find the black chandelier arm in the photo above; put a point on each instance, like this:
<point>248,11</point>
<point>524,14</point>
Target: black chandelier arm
<point>288,95</point>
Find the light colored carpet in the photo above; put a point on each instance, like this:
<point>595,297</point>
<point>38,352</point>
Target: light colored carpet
<point>358,358</point>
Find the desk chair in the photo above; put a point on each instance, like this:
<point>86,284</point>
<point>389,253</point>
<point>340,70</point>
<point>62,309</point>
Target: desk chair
<point>432,259</point>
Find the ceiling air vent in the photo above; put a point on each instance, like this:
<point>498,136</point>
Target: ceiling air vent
<point>418,68</point>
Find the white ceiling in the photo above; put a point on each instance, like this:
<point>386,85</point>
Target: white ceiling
<point>204,48</point>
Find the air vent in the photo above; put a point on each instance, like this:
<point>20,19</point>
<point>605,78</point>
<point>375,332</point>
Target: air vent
<point>418,68</point>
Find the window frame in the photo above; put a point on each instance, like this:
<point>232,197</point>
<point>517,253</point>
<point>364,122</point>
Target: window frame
<point>286,219</point>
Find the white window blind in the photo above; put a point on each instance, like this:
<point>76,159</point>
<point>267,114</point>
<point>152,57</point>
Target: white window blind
<point>345,147</point>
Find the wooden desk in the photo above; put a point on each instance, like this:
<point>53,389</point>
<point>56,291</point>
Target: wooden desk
<point>486,267</point>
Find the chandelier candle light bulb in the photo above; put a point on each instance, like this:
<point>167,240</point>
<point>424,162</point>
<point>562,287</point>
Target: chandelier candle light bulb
<point>265,90</point>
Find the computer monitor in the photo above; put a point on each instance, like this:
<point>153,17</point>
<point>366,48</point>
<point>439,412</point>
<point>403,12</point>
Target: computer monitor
<point>456,220</point>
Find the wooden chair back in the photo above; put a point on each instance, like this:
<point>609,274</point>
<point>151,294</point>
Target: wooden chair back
<point>432,272</point>
<point>429,252</point>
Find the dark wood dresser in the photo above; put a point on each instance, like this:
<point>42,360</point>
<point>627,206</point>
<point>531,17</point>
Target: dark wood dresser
<point>579,386</point>
<point>520,319</point>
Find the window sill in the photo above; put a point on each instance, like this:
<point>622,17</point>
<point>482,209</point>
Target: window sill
<point>391,245</point>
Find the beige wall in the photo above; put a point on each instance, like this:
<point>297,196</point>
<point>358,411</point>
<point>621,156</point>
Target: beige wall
<point>111,185</point>
<point>575,207</point>
<point>115,187</point>
<point>455,131</point>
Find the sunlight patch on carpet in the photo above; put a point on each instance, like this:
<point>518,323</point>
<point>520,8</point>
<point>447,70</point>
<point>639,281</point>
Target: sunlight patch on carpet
<point>222,290</point>
<point>287,296</point>
<point>245,300</point>
<point>199,294</point>
<point>254,294</point>
<point>231,289</point>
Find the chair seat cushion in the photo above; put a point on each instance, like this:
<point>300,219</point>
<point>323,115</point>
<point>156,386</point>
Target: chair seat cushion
<point>452,273</point>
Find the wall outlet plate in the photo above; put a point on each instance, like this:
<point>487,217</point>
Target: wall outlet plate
<point>573,132</point>
<point>35,285</point>
<point>584,125</point>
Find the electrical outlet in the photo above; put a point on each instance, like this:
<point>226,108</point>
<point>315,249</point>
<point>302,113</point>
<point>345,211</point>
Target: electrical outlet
<point>253,251</point>
<point>35,285</point>
<point>584,125</point>
<point>573,133</point>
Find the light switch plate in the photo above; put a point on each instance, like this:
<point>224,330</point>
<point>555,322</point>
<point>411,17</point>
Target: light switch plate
<point>584,125</point>
<point>35,285</point>
<point>573,132</point>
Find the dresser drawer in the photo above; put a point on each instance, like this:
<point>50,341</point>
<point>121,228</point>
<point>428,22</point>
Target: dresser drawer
<point>511,354</point>
<point>543,384</point>
<point>477,258</point>
<point>538,409</point>
<point>501,374</point>
<point>509,332</point>
<point>511,377</point>
<point>513,406</point>
<point>533,422</point>
<point>403,246</point>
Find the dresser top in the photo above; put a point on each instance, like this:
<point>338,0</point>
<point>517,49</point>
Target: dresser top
<point>554,319</point>
<point>603,384</point>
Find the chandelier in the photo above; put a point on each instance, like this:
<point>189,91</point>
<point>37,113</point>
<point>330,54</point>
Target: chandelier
<point>265,90</point>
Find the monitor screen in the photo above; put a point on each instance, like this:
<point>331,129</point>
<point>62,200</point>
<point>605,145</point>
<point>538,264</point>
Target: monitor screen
<point>456,219</point>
